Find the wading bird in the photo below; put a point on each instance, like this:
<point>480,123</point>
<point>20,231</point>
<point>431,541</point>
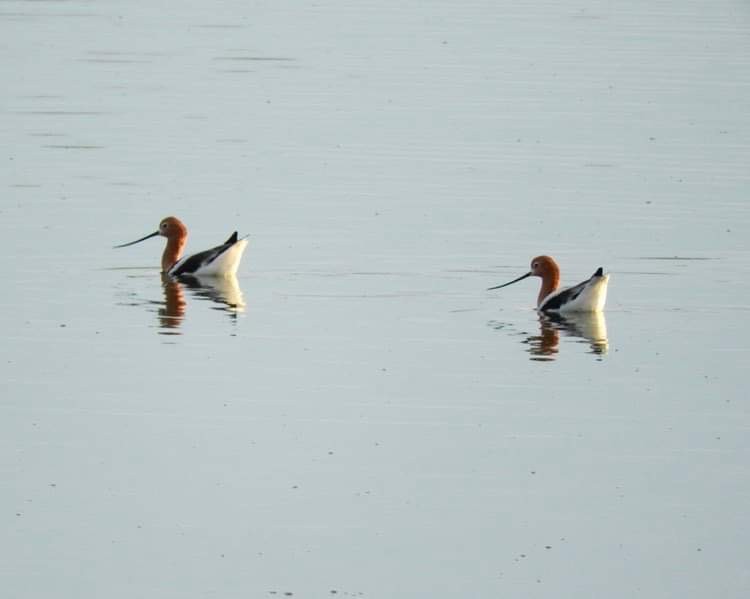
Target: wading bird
<point>588,296</point>
<point>219,261</point>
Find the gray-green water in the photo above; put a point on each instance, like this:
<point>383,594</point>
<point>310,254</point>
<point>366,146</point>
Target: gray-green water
<point>372,422</point>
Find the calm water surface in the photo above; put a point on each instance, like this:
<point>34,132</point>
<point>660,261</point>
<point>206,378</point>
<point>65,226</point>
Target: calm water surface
<point>355,415</point>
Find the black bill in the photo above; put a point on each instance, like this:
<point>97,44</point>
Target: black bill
<point>528,274</point>
<point>138,240</point>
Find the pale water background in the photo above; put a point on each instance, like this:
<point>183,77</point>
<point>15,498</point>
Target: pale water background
<point>373,423</point>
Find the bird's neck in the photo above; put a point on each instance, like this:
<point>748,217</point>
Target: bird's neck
<point>172,252</point>
<point>550,282</point>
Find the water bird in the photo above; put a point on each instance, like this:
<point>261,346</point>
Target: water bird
<point>220,261</point>
<point>588,296</point>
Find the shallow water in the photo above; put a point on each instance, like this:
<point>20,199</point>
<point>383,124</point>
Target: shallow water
<point>356,415</point>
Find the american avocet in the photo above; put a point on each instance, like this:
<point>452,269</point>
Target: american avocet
<point>220,261</point>
<point>588,296</point>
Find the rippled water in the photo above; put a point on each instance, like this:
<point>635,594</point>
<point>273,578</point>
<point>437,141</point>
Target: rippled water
<point>355,415</point>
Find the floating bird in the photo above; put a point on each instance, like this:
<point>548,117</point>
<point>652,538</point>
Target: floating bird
<point>220,261</point>
<point>588,296</point>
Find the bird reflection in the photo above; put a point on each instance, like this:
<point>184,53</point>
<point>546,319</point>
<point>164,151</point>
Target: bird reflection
<point>587,327</point>
<point>172,311</point>
<point>223,291</point>
<point>584,327</point>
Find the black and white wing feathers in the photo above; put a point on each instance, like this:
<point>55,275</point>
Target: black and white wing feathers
<point>558,299</point>
<point>191,264</point>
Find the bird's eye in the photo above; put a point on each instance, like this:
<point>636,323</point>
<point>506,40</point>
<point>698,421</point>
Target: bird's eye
<point>164,225</point>
<point>535,265</point>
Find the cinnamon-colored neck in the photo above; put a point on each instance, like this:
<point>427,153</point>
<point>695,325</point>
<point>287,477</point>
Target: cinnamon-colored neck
<point>550,282</point>
<point>172,252</point>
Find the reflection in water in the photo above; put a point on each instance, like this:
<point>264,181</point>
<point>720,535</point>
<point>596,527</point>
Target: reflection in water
<point>172,311</point>
<point>586,327</point>
<point>223,291</point>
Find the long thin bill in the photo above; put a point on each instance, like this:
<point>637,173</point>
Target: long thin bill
<point>137,240</point>
<point>521,278</point>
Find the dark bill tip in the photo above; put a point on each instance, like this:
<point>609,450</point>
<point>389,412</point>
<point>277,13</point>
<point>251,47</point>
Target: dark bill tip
<point>154,234</point>
<point>528,274</point>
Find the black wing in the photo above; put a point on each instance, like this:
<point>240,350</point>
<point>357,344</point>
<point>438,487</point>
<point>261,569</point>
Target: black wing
<point>194,262</point>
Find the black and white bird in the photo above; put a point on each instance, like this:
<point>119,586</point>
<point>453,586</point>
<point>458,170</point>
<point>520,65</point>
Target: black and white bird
<point>588,296</point>
<point>220,261</point>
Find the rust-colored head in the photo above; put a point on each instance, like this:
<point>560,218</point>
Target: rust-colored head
<point>172,227</point>
<point>544,267</point>
<point>176,234</point>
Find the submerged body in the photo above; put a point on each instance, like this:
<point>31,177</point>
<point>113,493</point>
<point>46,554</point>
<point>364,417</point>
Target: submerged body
<point>220,261</point>
<point>588,296</point>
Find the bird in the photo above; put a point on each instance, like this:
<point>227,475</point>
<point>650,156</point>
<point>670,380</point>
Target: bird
<point>220,261</point>
<point>588,296</point>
